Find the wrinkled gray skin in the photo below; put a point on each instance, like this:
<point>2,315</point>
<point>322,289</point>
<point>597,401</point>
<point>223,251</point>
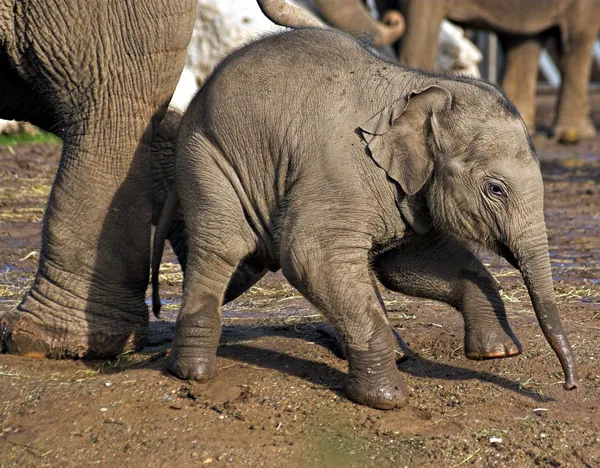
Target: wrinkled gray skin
<point>98,73</point>
<point>305,152</point>
<point>521,26</point>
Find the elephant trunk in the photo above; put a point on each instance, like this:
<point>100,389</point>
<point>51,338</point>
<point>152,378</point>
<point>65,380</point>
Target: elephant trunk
<point>353,16</point>
<point>533,262</point>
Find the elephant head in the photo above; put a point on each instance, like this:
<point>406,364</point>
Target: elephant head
<point>461,148</point>
<point>347,15</point>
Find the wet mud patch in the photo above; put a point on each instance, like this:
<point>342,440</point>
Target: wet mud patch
<point>278,400</point>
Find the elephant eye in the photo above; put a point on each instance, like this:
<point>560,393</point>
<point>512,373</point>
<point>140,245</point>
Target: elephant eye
<point>496,189</point>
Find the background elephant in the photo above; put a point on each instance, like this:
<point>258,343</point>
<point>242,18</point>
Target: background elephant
<point>521,27</point>
<point>99,74</point>
<point>364,169</point>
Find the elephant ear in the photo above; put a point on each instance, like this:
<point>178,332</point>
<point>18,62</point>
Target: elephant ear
<point>397,136</point>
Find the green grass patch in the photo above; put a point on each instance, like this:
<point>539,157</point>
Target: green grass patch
<point>21,138</point>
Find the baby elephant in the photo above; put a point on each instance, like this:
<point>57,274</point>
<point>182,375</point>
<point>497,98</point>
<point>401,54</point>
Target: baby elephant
<point>306,152</point>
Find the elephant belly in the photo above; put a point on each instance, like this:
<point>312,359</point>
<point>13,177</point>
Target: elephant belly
<point>522,17</point>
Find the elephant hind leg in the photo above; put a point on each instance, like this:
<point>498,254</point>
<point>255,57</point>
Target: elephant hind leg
<point>198,328</point>
<point>219,239</point>
<point>436,266</point>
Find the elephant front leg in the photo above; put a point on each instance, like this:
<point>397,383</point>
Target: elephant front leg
<point>520,74</point>
<point>436,266</point>
<point>341,288</point>
<point>337,347</point>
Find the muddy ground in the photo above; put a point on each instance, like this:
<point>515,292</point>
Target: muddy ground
<point>277,400</point>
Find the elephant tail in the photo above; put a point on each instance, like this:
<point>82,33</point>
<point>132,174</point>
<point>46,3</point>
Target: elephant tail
<point>161,232</point>
<point>284,14</point>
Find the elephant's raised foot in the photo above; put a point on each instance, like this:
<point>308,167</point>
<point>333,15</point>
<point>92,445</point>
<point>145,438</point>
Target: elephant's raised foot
<point>189,364</point>
<point>572,132</point>
<point>46,335</point>
<point>491,345</point>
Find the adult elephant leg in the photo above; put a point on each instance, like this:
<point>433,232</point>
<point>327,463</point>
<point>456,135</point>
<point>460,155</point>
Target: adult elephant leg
<point>519,79</point>
<point>436,266</point>
<point>418,46</point>
<point>573,107</point>
<point>88,295</point>
<point>337,282</point>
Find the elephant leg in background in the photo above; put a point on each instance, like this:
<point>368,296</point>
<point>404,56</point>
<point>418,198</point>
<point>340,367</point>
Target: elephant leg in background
<point>418,46</point>
<point>522,56</point>
<point>573,107</point>
<point>88,297</point>
<point>436,266</point>
<point>339,285</point>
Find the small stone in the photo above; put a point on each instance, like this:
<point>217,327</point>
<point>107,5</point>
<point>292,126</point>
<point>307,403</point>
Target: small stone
<point>207,460</point>
<point>108,384</point>
<point>495,440</point>
<point>104,410</point>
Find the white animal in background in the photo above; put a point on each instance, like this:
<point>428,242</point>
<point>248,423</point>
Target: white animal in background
<point>9,127</point>
<point>456,53</point>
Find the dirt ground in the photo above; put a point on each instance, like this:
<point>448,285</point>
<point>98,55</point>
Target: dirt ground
<point>277,400</point>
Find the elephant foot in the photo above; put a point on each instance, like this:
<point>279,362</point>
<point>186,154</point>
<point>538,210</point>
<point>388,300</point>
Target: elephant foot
<point>60,325</point>
<point>570,133</point>
<point>375,383</point>
<point>23,334</point>
<point>334,343</point>
<point>480,345</point>
<point>187,363</point>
